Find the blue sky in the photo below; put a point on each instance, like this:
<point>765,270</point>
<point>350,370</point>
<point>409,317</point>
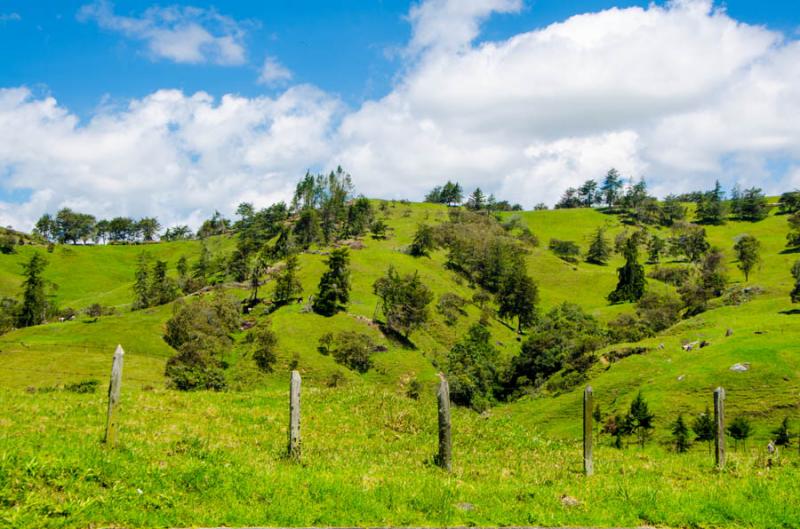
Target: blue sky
<point>346,47</point>
<point>176,109</point>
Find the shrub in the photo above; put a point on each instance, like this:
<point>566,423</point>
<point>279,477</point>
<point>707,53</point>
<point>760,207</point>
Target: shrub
<point>414,389</point>
<point>627,328</point>
<point>659,311</point>
<point>350,349</point>
<point>451,307</point>
<point>336,379</point>
<point>471,370</point>
<point>265,342</point>
<point>671,275</point>
<point>84,386</point>
<point>567,250</point>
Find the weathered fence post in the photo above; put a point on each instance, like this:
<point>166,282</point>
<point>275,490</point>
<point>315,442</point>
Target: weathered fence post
<point>444,458</point>
<point>719,425</point>
<point>294,416</point>
<point>588,407</point>
<point>113,396</point>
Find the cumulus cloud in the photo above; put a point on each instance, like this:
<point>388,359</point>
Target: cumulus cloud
<point>171,155</point>
<point>681,94</point>
<point>181,34</point>
<point>273,72</point>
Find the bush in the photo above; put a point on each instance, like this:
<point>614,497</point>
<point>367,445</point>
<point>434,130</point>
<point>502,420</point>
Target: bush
<point>84,386</point>
<point>471,370</point>
<point>265,342</point>
<point>671,275</point>
<point>414,389</point>
<point>627,328</point>
<point>200,331</point>
<point>336,379</point>
<point>451,307</point>
<point>659,311</point>
<point>350,349</point>
<point>567,250</point>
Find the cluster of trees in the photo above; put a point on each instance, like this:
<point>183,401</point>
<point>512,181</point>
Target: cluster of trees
<point>634,201</point>
<point>37,303</point>
<point>453,195</point>
<point>69,226</point>
<point>152,286</point>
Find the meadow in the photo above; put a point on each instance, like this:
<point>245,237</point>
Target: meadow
<point>203,458</point>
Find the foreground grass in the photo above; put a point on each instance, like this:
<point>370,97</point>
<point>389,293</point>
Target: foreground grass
<point>217,459</point>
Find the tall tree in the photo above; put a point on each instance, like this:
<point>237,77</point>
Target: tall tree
<point>710,208</point>
<point>477,200</point>
<point>518,296</point>
<point>334,285</point>
<point>639,420</point>
<point>149,227</point>
<point>748,250</point>
<point>611,188</point>
<point>287,285</point>
<point>141,283</point>
<point>631,282</point>
<point>680,433</point>
<point>35,304</point>
<point>423,241</point>
<point>404,301</point>
<point>704,428</point>
<point>795,294</point>
<point>599,249</point>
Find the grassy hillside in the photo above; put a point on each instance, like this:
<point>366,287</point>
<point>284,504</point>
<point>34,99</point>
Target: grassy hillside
<point>215,458</point>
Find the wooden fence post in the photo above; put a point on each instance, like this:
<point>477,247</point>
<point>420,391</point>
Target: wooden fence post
<point>719,424</point>
<point>294,416</point>
<point>444,458</point>
<point>588,407</point>
<point>113,396</point>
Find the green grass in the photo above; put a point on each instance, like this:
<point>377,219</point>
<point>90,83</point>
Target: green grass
<point>216,459</point>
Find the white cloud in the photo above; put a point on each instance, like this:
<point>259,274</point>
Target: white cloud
<point>10,17</point>
<point>273,72</point>
<point>171,155</point>
<point>681,94</point>
<point>178,33</point>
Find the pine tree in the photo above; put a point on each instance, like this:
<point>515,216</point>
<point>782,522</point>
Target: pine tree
<point>681,435</point>
<point>639,420</point>
<point>141,284</point>
<point>599,250</point>
<point>477,200</point>
<point>287,285</point>
<point>334,285</point>
<point>631,283</point>
<point>740,430</point>
<point>182,267</point>
<point>655,247</point>
<point>612,185</point>
<point>782,435</point>
<point>34,297</point>
<point>704,428</point>
<point>710,207</point>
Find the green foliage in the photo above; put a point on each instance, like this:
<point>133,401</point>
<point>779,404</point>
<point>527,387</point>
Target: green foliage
<point>639,420</point>
<point>631,280</point>
<point>287,284</point>
<point>349,348</point>
<point>711,209</point>
<point>567,250</point>
<point>264,346</point>
<point>599,249</point>
<point>611,189</point>
<point>517,297</point>
<point>688,240</point>
<point>200,332</point>
<point>471,369</point>
<point>656,246</point>
<point>704,427</point>
<point>35,302</point>
<point>795,294</point>
<point>360,216</point>
<point>748,253</point>
<point>451,307</point>
<point>563,337</point>
<point>216,225</point>
<point>403,300</point>
<point>672,211</point>
<point>750,205</point>
<point>423,242</point>
<point>450,194</point>
<point>334,285</point>
<point>659,310</point>
<point>152,286</point>
<point>740,429</point>
<point>709,282</point>
<point>378,229</point>
<point>789,202</point>
<point>783,436</point>
<point>680,434</point>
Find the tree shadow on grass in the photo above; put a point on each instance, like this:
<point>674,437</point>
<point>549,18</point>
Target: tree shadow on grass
<point>790,312</point>
<point>395,337</point>
<point>789,251</point>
